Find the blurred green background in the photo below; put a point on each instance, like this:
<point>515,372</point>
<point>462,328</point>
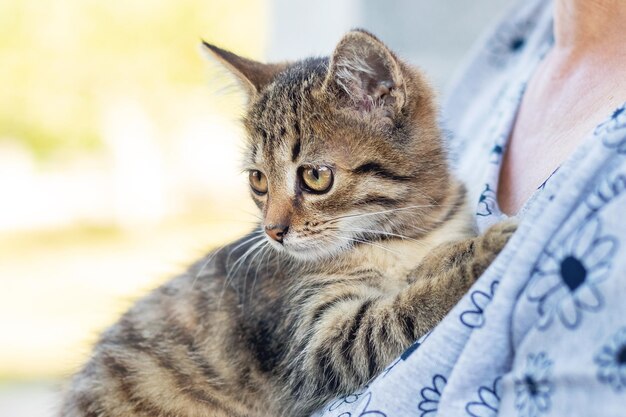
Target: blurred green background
<point>118,161</point>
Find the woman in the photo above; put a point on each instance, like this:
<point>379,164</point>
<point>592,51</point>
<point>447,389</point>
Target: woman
<point>538,121</point>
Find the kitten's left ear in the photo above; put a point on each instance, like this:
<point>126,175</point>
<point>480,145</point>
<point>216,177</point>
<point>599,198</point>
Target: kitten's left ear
<point>366,75</point>
<point>253,75</point>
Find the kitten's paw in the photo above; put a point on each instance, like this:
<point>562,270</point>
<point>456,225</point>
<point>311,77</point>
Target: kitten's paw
<point>497,236</point>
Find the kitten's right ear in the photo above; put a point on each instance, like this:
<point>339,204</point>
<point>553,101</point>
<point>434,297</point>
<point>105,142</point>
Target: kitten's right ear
<point>365,75</point>
<point>252,75</point>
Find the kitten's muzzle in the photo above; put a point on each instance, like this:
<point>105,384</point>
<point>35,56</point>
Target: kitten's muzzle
<point>276,231</point>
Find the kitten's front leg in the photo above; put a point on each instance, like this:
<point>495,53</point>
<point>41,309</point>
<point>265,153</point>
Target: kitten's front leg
<point>445,274</point>
<point>363,331</point>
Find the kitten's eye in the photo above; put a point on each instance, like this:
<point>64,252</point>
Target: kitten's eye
<point>316,179</point>
<point>258,182</point>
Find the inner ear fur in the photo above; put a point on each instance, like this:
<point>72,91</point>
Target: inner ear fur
<point>366,75</point>
<point>252,75</point>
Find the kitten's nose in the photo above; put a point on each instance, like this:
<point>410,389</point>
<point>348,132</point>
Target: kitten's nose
<point>276,231</point>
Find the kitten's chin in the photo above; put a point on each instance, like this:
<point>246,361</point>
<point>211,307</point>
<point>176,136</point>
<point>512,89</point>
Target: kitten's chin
<point>309,251</point>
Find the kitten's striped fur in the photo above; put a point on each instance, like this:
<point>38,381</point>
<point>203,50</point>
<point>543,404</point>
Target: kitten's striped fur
<point>262,328</point>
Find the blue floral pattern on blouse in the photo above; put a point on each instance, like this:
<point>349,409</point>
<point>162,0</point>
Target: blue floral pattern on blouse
<point>611,361</point>
<point>430,396</point>
<point>474,317</point>
<point>508,41</point>
<point>533,387</point>
<point>566,280</point>
<point>487,202</point>
<point>610,130</point>
<point>488,401</point>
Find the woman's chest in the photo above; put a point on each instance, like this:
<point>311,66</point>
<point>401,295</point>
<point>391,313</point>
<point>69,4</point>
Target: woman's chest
<point>551,122</point>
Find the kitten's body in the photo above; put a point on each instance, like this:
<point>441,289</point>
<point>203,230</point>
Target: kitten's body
<point>355,275</point>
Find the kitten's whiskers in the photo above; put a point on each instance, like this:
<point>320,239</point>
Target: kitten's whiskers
<point>365,242</point>
<point>381,232</point>
<point>265,250</point>
<point>384,211</point>
<point>230,273</point>
<point>215,253</point>
<point>250,263</point>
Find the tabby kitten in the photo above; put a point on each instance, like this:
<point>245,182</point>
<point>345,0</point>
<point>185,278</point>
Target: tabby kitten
<point>366,243</point>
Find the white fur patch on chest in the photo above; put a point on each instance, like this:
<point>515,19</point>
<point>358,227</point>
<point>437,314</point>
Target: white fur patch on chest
<point>396,258</point>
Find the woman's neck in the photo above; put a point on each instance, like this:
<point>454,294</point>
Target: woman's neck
<point>583,26</point>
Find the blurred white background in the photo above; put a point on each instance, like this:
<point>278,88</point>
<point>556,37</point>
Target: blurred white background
<point>435,35</point>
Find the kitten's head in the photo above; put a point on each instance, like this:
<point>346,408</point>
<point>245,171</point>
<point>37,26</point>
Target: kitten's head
<point>341,150</point>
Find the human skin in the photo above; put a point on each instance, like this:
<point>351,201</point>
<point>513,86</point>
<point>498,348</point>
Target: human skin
<point>579,83</point>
